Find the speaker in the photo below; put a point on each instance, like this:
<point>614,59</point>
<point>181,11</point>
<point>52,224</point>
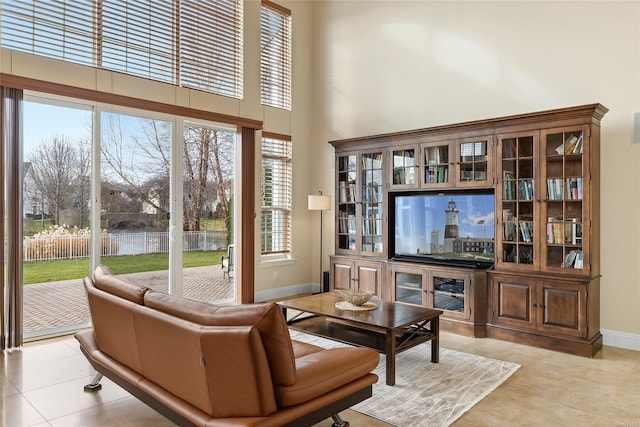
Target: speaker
<point>325,281</point>
<point>636,128</point>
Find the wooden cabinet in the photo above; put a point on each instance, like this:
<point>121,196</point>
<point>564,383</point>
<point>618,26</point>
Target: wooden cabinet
<point>546,213</point>
<point>558,315</point>
<point>459,293</point>
<point>543,170</point>
<point>351,273</point>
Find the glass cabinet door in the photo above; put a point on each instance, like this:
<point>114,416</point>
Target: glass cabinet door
<point>346,205</point>
<point>408,284</point>
<point>436,169</point>
<point>474,165</point>
<point>449,291</point>
<point>563,214</point>
<point>516,198</point>
<point>372,196</point>
<point>405,167</point>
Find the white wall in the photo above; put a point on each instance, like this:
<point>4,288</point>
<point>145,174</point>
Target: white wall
<point>383,66</point>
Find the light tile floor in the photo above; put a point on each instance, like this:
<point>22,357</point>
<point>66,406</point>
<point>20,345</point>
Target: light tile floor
<point>41,385</point>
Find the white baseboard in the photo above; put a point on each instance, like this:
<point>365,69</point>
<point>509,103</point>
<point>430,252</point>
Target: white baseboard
<point>620,339</point>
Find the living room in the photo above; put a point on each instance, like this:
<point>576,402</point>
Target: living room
<point>365,68</point>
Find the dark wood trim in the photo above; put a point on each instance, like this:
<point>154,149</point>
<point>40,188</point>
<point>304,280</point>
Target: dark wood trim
<point>59,89</point>
<point>276,136</point>
<point>246,277</point>
<point>597,111</point>
<point>277,7</point>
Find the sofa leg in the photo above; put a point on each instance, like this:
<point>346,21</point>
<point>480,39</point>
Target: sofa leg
<point>339,422</point>
<point>95,384</point>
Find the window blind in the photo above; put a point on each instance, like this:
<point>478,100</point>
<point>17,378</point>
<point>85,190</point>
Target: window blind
<point>192,43</point>
<point>137,38</point>
<point>61,30</point>
<point>275,56</point>
<point>276,195</point>
<point>211,39</point>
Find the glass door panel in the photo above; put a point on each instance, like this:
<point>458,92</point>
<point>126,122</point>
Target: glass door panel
<point>408,287</point>
<point>474,163</point>
<point>436,169</point>
<point>404,168</point>
<point>372,194</point>
<point>563,201</point>
<point>347,222</point>
<point>448,294</point>
<point>56,215</point>
<point>208,258</point>
<point>135,175</point>
<point>517,200</point>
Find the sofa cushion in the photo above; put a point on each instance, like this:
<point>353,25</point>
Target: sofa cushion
<point>112,319</point>
<point>323,371</point>
<point>102,270</point>
<point>267,317</point>
<point>120,287</point>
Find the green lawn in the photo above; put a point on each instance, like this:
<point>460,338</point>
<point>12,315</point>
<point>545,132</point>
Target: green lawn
<point>48,271</point>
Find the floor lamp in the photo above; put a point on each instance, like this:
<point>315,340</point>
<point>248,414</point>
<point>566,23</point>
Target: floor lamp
<point>320,203</point>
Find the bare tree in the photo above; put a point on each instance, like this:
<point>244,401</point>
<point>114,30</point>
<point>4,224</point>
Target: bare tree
<point>54,171</point>
<point>208,164</point>
<point>138,157</point>
<point>82,182</point>
<point>222,166</point>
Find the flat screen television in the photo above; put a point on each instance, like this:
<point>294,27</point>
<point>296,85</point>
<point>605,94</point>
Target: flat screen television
<point>452,227</point>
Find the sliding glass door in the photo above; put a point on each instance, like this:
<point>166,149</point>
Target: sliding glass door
<point>56,221</point>
<point>151,196</point>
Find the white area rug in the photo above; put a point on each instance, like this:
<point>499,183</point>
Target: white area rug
<point>425,393</point>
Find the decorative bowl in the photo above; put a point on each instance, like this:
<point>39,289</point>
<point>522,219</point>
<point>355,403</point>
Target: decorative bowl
<point>356,296</point>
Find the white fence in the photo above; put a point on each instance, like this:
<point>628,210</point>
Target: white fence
<point>113,244</point>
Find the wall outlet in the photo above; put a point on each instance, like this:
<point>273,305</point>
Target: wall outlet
<point>275,275</point>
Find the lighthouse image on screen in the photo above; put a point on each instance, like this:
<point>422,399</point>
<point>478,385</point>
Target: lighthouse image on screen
<point>446,226</point>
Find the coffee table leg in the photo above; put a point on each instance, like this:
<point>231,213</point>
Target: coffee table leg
<point>391,357</point>
<point>435,342</point>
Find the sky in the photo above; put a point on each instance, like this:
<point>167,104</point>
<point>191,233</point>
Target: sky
<point>42,121</point>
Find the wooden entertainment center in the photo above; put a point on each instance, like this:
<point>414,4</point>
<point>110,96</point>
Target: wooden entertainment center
<point>542,284</point>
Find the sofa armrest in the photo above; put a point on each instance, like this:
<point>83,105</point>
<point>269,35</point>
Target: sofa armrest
<point>323,371</point>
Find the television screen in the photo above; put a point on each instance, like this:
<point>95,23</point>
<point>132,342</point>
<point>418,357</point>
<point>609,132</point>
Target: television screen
<point>449,227</point>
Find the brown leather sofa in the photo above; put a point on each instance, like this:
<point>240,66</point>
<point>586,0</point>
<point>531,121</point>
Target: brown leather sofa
<point>206,365</point>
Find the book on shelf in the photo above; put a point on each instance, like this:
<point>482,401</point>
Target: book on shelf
<point>572,145</point>
<point>579,261</point>
<point>526,232</point>
<point>526,189</point>
<point>509,148</point>
<point>574,259</point>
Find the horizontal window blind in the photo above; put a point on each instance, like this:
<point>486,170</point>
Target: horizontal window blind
<point>211,39</point>
<point>137,38</point>
<point>63,30</point>
<point>275,56</point>
<point>276,195</point>
<point>191,43</point>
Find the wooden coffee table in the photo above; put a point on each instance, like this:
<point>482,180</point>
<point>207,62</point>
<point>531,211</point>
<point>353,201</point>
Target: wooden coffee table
<point>390,328</point>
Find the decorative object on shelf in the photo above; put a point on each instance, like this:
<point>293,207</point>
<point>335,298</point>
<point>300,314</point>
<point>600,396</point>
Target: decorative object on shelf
<point>319,203</point>
<point>356,296</point>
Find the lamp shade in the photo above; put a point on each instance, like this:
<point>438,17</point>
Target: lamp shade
<point>319,203</point>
